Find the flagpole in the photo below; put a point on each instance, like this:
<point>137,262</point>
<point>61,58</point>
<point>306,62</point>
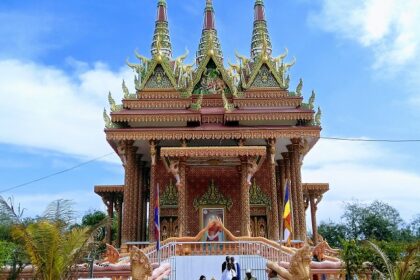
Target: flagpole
<point>282,213</point>
<point>157,224</point>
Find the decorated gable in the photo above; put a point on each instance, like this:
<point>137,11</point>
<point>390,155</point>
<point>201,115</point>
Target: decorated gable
<point>265,79</point>
<point>211,81</point>
<point>159,79</point>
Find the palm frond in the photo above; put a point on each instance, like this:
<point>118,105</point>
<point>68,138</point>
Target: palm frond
<point>387,262</point>
<point>9,212</point>
<point>60,210</point>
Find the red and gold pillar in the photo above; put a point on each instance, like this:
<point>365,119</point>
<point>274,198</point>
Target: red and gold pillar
<point>297,165</point>
<point>274,228</point>
<point>153,154</point>
<point>281,182</point>
<point>245,201</point>
<point>130,200</point>
<point>182,199</point>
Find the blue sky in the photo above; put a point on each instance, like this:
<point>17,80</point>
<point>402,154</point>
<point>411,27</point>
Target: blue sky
<point>59,59</point>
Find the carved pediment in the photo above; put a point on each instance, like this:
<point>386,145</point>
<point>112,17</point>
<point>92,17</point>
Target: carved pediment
<point>169,198</point>
<point>159,79</point>
<point>265,79</point>
<point>213,196</point>
<point>257,197</point>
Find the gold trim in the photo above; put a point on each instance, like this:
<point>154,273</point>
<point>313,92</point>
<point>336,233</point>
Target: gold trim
<point>280,102</point>
<point>156,118</point>
<point>153,134</point>
<point>205,152</point>
<point>316,187</point>
<point>267,116</point>
<point>156,104</point>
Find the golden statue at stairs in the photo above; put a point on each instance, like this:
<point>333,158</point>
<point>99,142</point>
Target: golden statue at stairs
<point>299,268</point>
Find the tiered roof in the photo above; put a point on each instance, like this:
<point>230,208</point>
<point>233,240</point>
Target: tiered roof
<point>251,96</point>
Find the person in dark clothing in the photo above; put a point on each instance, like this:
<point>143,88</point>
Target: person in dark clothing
<point>225,263</point>
<point>202,277</point>
<point>237,268</point>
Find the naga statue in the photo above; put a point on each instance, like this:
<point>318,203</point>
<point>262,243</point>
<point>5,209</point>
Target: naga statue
<point>141,269</point>
<point>299,268</point>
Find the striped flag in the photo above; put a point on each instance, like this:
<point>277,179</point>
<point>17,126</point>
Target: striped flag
<point>287,216</point>
<point>157,219</point>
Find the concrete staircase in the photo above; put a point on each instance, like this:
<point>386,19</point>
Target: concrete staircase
<point>192,267</point>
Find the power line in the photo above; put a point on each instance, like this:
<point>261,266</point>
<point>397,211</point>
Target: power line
<point>104,156</point>
<point>56,173</point>
<point>372,140</point>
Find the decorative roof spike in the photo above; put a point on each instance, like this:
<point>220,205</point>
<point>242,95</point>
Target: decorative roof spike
<point>161,39</point>
<point>107,119</point>
<point>112,103</point>
<point>299,88</point>
<point>312,100</point>
<point>318,116</point>
<point>209,40</point>
<point>260,36</point>
<point>125,90</point>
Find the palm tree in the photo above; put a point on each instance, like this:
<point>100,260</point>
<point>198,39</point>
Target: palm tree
<point>406,269</point>
<point>51,245</point>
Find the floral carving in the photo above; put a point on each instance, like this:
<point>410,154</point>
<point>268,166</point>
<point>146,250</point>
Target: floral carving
<point>258,197</point>
<point>213,197</point>
<point>169,198</point>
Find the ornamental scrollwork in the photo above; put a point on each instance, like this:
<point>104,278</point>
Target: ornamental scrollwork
<point>169,198</point>
<point>213,196</point>
<point>257,197</point>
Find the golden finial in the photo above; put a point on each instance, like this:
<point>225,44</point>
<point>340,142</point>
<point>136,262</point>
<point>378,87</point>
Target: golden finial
<point>159,48</point>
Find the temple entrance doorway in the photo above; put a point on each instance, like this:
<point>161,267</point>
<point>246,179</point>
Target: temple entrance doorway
<point>259,226</point>
<point>169,227</point>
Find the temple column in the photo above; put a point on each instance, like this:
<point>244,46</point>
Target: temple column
<point>144,195</point>
<point>153,152</point>
<point>296,158</point>
<point>118,208</point>
<point>245,207</point>
<point>109,202</point>
<point>139,193</point>
<point>182,199</point>
<point>313,219</point>
<point>274,228</point>
<point>282,181</point>
<point>130,199</point>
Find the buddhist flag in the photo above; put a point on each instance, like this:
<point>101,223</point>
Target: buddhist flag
<point>287,215</point>
<point>157,219</point>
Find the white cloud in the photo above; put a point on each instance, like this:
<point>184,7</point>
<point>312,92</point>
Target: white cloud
<point>389,27</point>
<point>353,171</point>
<point>45,107</point>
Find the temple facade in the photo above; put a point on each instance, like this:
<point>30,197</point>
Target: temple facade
<point>216,141</point>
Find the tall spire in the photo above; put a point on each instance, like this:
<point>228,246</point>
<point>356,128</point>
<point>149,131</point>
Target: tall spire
<point>260,37</point>
<point>161,39</point>
<point>209,40</point>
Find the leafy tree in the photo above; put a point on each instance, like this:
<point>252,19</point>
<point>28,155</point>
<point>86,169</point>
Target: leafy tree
<point>52,246</point>
<point>415,227</point>
<point>378,221</point>
<point>353,256</point>
<point>333,233</point>
<point>93,218</point>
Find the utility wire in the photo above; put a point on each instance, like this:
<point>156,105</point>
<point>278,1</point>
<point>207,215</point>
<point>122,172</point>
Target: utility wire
<point>107,155</point>
<point>56,173</point>
<point>372,140</point>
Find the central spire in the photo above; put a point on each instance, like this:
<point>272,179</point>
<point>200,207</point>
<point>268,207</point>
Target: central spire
<point>161,39</point>
<point>209,40</point>
<point>260,37</point>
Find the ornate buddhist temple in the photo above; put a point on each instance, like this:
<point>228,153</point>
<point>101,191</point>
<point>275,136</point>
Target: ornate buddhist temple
<point>217,140</point>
